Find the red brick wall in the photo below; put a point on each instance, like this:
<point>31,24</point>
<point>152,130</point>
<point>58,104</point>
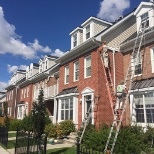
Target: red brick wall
<point>26,99</point>
<point>96,82</point>
<point>11,102</point>
<point>146,68</point>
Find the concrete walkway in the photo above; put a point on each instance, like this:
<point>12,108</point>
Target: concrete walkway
<point>3,151</point>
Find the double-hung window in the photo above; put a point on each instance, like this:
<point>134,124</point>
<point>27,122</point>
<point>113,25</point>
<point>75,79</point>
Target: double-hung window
<point>75,40</point>
<point>88,32</point>
<point>66,109</point>
<point>145,20</point>
<point>66,74</point>
<point>87,65</point>
<point>144,107</point>
<point>138,64</point>
<point>76,71</point>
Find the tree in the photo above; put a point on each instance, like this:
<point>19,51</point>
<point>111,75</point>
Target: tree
<point>39,114</point>
<point>7,121</point>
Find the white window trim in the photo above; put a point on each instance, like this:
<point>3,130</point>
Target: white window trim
<point>75,41</point>
<point>88,31</point>
<point>87,91</point>
<point>134,64</point>
<point>22,111</point>
<point>76,71</point>
<point>152,59</point>
<point>75,109</point>
<point>66,67</point>
<point>133,113</point>
<point>85,68</point>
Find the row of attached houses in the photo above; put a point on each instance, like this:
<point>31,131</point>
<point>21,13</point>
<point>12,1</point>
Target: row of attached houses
<point>76,80</point>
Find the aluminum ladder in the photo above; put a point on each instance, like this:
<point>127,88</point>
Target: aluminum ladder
<point>118,116</point>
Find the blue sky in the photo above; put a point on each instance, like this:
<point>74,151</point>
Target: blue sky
<point>30,29</point>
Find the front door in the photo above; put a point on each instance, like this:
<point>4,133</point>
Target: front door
<point>88,105</point>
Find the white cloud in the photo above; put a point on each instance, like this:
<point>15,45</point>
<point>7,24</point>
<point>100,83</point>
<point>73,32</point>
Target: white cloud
<point>3,85</point>
<point>58,53</point>
<point>13,69</point>
<point>10,42</point>
<point>36,46</point>
<point>111,10</point>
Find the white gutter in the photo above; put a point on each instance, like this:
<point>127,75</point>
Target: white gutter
<point>15,102</point>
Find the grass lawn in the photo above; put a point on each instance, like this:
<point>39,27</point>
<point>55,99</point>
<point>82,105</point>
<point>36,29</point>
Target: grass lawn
<point>11,144</point>
<point>11,134</point>
<point>71,150</point>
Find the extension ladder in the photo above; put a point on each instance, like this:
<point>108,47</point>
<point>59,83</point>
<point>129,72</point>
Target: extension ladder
<point>118,116</point>
<point>108,79</point>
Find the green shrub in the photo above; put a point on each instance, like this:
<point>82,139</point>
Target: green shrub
<point>27,123</point>
<point>95,139</point>
<point>14,124</point>
<point>66,127</point>
<point>130,140</point>
<point>51,130</point>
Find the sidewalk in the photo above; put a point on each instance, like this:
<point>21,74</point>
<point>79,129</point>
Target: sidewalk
<point>3,151</point>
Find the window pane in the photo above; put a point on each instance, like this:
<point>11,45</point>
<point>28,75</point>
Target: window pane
<point>66,114</point>
<point>71,103</point>
<point>150,115</point>
<point>67,104</point>
<point>138,100</point>
<point>62,115</point>
<point>88,72</point>
<point>67,108</point>
<point>88,61</point>
<point>139,115</point>
<point>62,104</point>
<point>71,114</point>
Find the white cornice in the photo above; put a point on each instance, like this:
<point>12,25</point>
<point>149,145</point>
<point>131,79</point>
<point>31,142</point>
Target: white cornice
<point>75,30</point>
<point>95,19</point>
<point>141,5</point>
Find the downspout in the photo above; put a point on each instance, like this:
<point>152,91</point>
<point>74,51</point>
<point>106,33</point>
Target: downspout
<point>114,70</point>
<point>15,102</point>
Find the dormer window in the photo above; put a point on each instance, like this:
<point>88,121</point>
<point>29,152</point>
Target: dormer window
<point>145,20</point>
<point>46,64</point>
<point>88,32</point>
<point>75,40</point>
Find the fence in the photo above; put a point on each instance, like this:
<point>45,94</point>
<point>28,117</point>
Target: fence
<point>3,135</point>
<point>29,143</point>
<point>83,150</point>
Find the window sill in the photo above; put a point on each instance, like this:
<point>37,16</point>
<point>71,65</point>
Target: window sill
<point>87,77</point>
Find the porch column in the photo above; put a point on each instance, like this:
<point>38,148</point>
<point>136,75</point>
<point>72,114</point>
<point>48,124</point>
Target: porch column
<point>55,111</point>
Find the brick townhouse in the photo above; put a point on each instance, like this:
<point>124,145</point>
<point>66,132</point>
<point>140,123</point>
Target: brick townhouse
<point>75,81</point>
<point>142,90</point>
<point>12,94</point>
<point>2,99</point>
<point>38,76</point>
<point>81,75</point>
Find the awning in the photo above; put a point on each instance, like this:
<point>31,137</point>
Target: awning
<point>71,90</point>
<point>146,83</point>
